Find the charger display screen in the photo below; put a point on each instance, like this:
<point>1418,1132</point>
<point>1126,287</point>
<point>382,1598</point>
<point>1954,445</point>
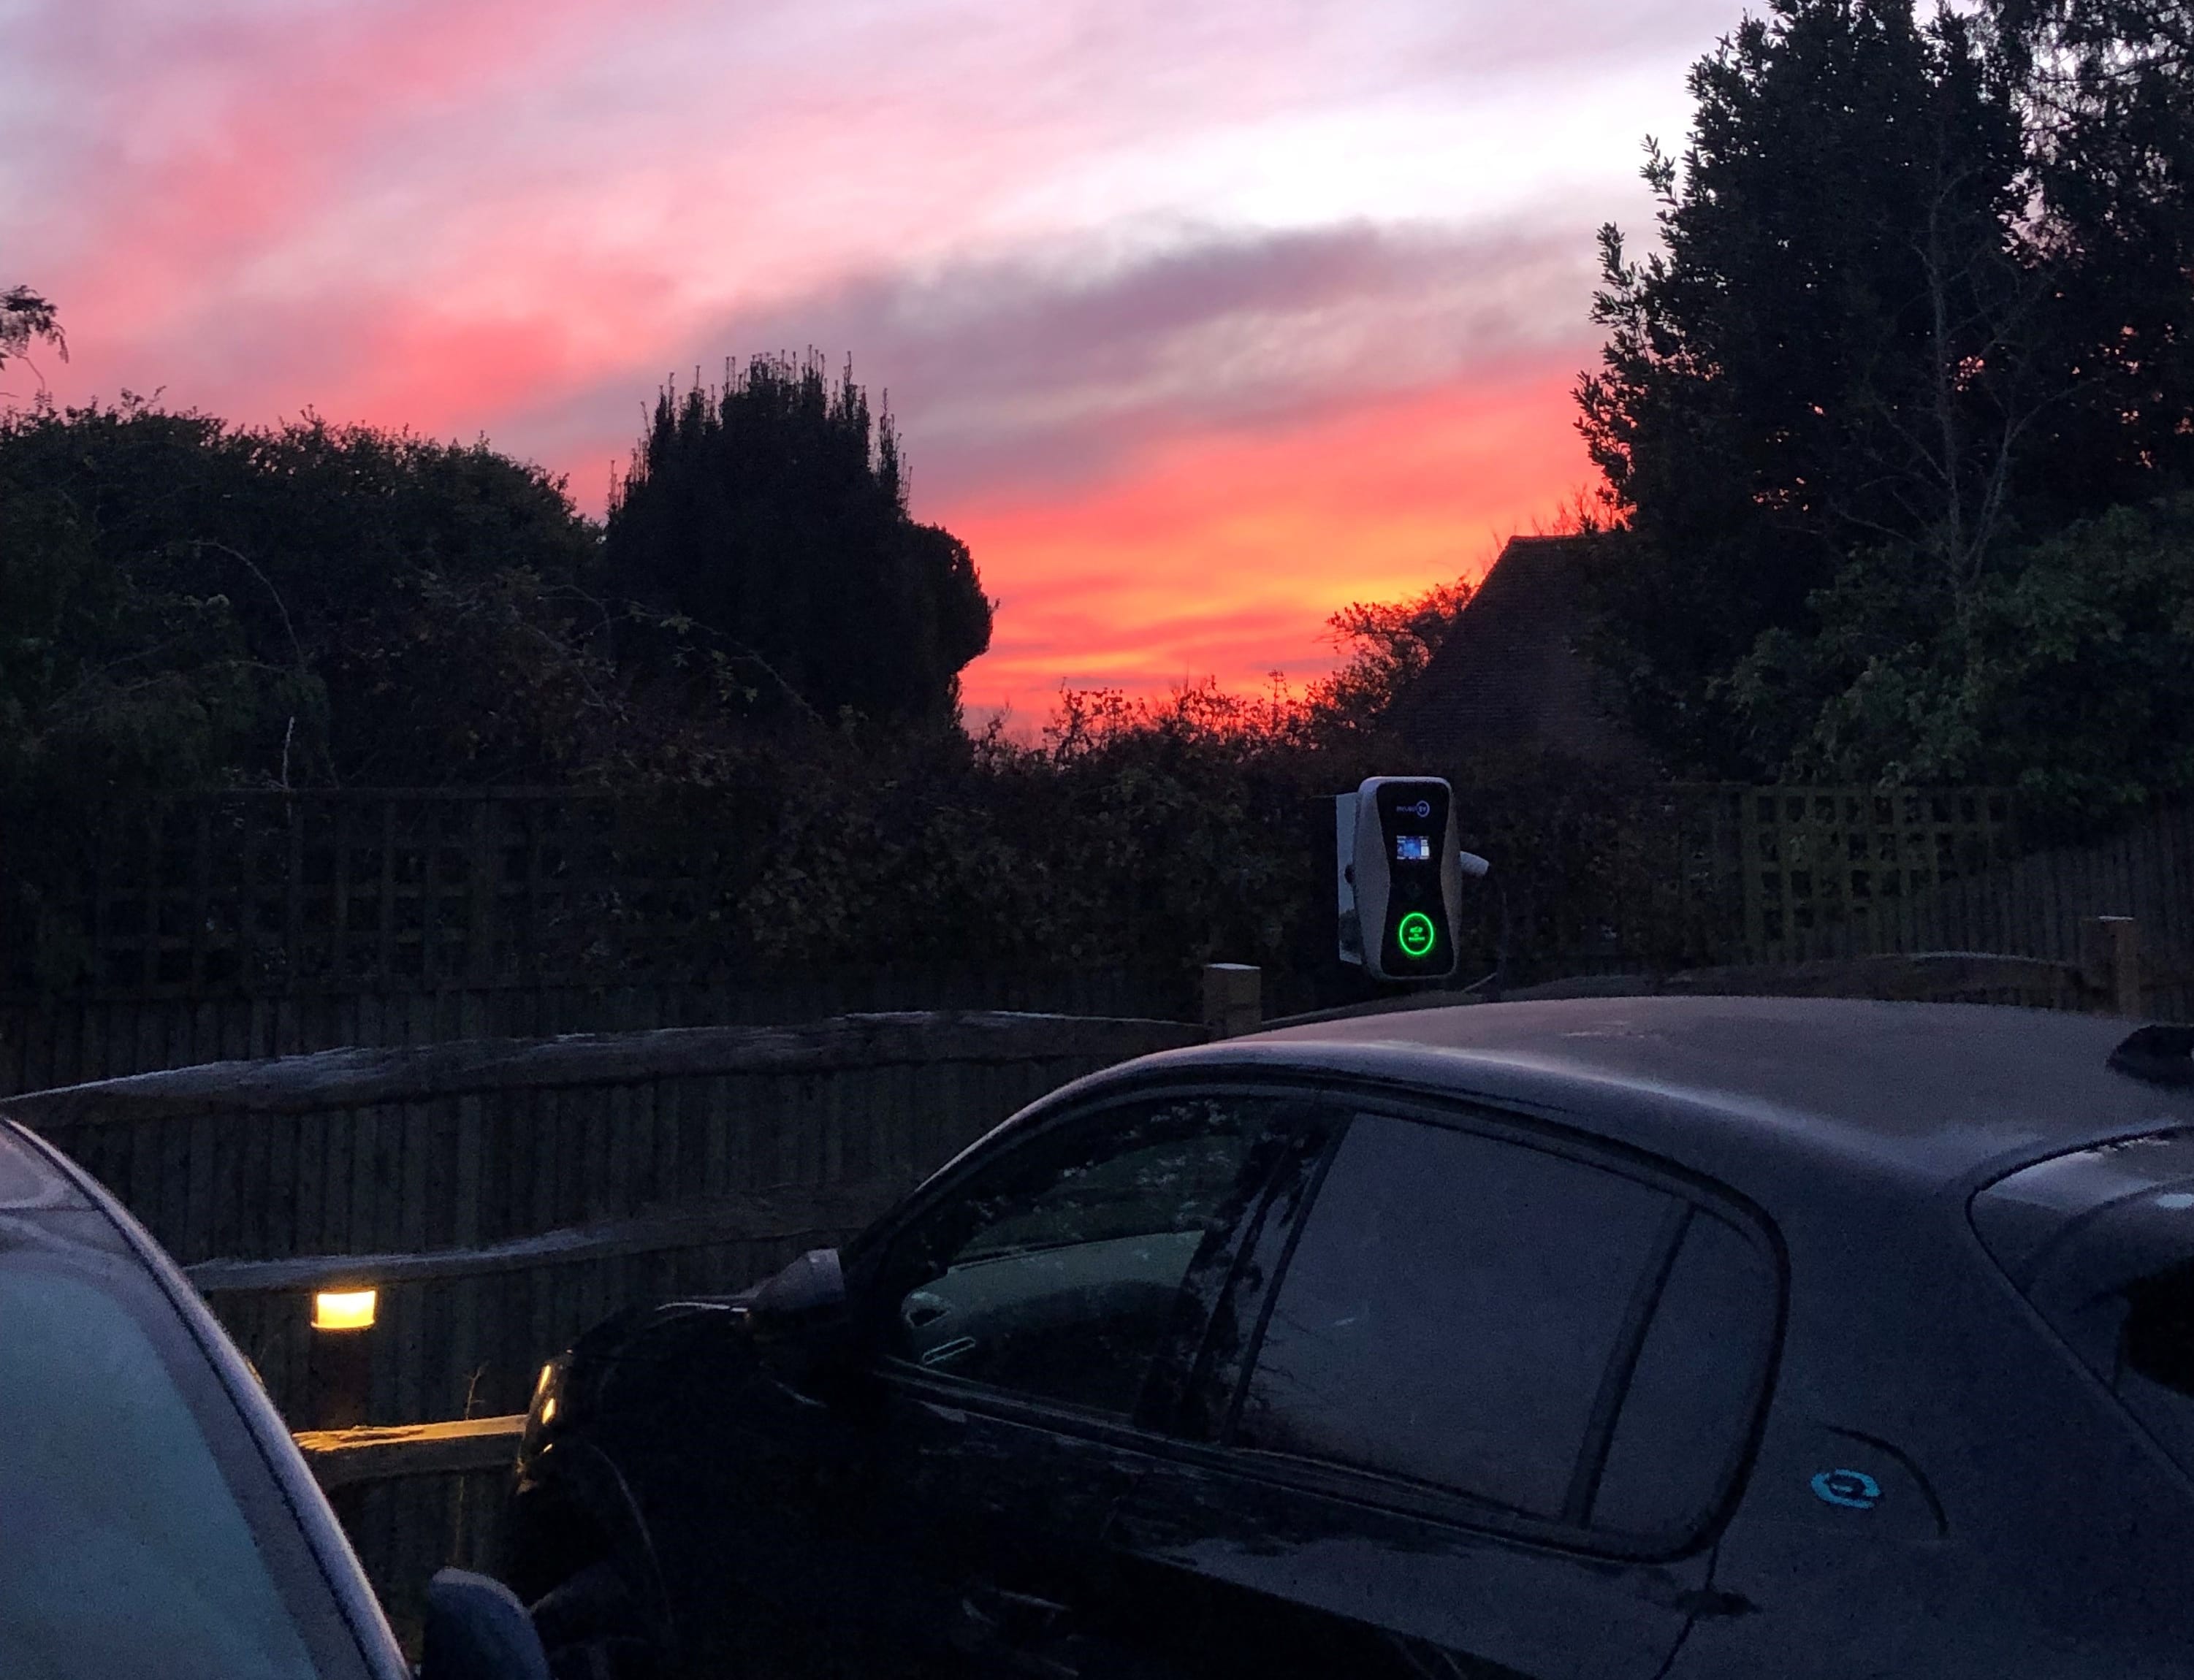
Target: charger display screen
<point>1413,848</point>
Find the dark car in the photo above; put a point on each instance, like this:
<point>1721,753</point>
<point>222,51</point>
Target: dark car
<point>1590,1341</point>
<point>157,1521</point>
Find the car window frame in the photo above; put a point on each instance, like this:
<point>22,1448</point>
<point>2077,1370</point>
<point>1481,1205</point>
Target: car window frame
<point>1213,1263</point>
<point>1207,1432</point>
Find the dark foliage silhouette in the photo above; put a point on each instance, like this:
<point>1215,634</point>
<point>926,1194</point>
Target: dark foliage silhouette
<point>765,521</point>
<point>1918,319</point>
<point>192,604</point>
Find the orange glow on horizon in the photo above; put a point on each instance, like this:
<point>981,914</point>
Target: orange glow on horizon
<point>1225,556</point>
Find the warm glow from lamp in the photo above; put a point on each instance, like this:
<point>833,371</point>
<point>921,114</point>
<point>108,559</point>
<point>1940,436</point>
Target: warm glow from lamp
<point>344,1309</point>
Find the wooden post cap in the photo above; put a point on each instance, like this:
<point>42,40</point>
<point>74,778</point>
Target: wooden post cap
<point>1233,998</point>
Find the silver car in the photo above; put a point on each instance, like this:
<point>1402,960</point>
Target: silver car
<point>156,1518</point>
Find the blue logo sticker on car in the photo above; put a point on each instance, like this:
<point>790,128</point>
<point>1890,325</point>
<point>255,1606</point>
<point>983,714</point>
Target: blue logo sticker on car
<point>1853,1489</point>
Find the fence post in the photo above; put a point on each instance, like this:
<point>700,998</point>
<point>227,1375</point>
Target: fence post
<point>1233,998</point>
<point>2109,961</point>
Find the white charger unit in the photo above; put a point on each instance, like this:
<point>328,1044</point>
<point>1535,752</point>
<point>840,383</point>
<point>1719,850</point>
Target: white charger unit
<point>1399,870</point>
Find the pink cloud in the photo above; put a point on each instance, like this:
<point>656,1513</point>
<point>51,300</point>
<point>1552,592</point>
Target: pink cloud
<point>204,144</point>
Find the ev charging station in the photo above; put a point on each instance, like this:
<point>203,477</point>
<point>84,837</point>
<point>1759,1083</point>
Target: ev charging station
<point>1399,872</point>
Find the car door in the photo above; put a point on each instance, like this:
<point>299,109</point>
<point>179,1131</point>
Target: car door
<point>1025,1323</point>
<point>1471,1404</point>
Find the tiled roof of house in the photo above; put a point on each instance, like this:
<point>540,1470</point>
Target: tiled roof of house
<point>1510,679</point>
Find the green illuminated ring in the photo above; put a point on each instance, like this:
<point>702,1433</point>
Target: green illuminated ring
<point>1416,936</point>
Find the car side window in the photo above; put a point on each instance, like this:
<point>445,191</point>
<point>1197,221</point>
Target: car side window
<point>1452,1312</point>
<point>1055,1273</point>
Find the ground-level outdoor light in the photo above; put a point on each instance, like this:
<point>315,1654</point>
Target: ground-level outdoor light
<point>340,1371</point>
<point>344,1309</point>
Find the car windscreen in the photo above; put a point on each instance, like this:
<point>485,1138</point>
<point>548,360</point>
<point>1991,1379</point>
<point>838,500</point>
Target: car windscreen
<point>2102,1242</point>
<point>141,1531</point>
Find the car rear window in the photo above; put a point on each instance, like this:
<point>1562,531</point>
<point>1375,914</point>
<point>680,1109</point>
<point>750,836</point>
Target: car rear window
<point>1451,1311</point>
<point>2102,1242</point>
<point>142,1534</point>
<point>1548,1338</point>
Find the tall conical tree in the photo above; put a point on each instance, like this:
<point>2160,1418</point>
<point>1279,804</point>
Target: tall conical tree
<point>771,512</point>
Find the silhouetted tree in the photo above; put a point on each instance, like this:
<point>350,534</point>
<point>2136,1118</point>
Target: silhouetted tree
<point>770,513</point>
<point>1901,418</point>
<point>25,315</point>
<point>1386,646</point>
<point>186,603</point>
<point>2108,90</point>
<point>2066,671</point>
<point>1826,352</point>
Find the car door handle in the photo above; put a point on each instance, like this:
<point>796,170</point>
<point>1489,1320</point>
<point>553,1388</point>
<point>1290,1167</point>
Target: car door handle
<point>1000,1604</point>
<point>1011,1619</point>
<point>921,1310</point>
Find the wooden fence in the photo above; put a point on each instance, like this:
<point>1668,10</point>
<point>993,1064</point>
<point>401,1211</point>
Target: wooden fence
<point>272,891</point>
<point>251,924</point>
<point>247,924</point>
<point>1656,878</point>
<point>500,1196</point>
<point>1859,858</point>
<point>2043,905</point>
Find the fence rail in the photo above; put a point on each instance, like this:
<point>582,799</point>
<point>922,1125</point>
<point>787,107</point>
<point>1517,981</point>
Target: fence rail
<point>53,1040</point>
<point>344,1458</point>
<point>1917,976</point>
<point>757,1218</point>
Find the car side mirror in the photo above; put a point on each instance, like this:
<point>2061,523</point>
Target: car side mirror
<point>802,1320</point>
<point>478,1629</point>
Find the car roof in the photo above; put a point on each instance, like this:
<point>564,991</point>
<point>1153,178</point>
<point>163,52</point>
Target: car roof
<point>1932,1093</point>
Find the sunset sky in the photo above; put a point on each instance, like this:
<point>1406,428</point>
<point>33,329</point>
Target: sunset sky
<point>1200,319</point>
